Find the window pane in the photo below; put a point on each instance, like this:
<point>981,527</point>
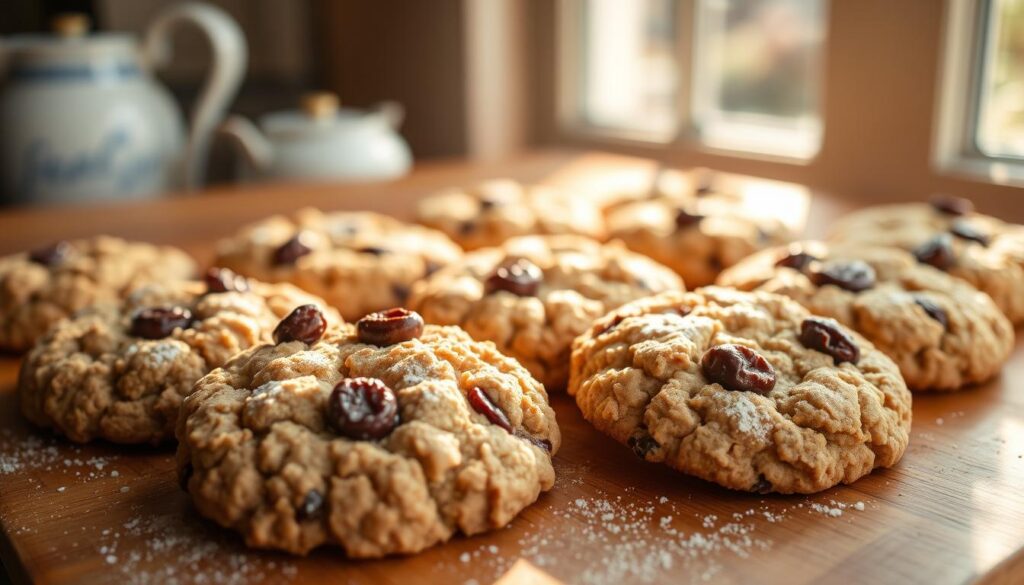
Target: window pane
<point>630,72</point>
<point>756,74</point>
<point>1001,121</point>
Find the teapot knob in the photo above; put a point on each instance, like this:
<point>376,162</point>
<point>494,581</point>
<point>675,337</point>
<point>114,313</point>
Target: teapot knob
<point>320,104</point>
<point>70,25</point>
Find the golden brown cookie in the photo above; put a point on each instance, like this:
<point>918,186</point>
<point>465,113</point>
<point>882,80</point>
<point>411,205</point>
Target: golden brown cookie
<point>385,437</point>
<point>41,287</point>
<point>119,371</point>
<point>534,294</point>
<point>949,235</point>
<point>943,333</point>
<point>491,212</point>
<point>697,236</point>
<point>747,390</point>
<point>359,262</point>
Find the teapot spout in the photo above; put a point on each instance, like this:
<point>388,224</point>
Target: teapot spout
<point>253,145</point>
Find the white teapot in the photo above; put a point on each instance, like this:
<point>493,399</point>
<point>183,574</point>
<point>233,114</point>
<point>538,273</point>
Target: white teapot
<point>323,141</point>
<point>82,118</point>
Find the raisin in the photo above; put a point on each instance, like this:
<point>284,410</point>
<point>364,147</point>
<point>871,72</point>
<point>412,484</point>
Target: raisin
<point>362,409</point>
<point>685,219</point>
<point>966,231</point>
<point>937,252</point>
<point>482,403</point>
<point>738,368</point>
<point>932,309</point>
<point>289,252</point>
<point>797,260</point>
<point>222,280</point>
<point>306,324</point>
<point>518,276</point>
<point>851,275</point>
<point>312,506</point>
<point>951,205</point>
<point>389,327</point>
<point>160,322</point>
<point>825,335</point>
<point>51,255</point>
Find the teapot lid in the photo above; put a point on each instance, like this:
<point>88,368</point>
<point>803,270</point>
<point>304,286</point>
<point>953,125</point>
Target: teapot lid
<point>319,112</point>
<point>72,41</point>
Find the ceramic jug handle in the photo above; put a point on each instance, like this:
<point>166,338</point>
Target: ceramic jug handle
<point>229,60</point>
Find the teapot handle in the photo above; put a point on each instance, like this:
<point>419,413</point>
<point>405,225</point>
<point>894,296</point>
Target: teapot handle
<point>230,55</point>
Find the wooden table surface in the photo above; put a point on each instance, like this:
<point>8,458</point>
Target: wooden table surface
<point>951,512</point>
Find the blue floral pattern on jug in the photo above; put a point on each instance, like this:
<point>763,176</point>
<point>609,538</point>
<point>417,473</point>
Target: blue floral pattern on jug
<point>46,168</point>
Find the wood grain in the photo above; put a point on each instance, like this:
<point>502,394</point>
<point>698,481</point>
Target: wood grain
<point>951,512</point>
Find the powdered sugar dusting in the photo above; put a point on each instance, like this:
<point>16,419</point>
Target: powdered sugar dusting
<point>611,540</point>
<point>159,353</point>
<point>177,549</point>
<point>748,419</point>
<point>660,324</point>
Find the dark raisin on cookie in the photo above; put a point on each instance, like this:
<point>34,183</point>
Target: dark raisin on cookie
<point>483,404</point>
<point>467,227</point>
<point>616,321</point>
<point>937,252</point>
<point>373,250</point>
<point>738,368</point>
<point>51,255</point>
<point>390,327</point>
<point>851,275</point>
<point>796,259</point>
<point>642,444</point>
<point>430,267</point>
<point>542,443</point>
<point>685,219</point>
<point>306,324</point>
<point>222,280</point>
<point>312,506</point>
<point>932,309</point>
<point>951,205</point>
<point>824,335</point>
<point>362,409</point>
<point>160,322</point>
<point>289,252</point>
<point>966,231</point>
<point>400,292</point>
<point>762,486</point>
<point>518,276</point>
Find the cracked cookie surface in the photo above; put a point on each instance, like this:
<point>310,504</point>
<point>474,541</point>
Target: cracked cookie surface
<point>942,332</point>
<point>637,376</point>
<point>697,236</point>
<point>258,452</point>
<point>994,266</point>
<point>359,262</point>
<point>92,377</point>
<point>579,281</point>
<point>40,288</point>
<point>491,212</point>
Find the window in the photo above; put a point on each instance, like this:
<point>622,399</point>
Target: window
<point>630,72</point>
<point>756,70</point>
<point>738,75</point>
<point>1000,125</point>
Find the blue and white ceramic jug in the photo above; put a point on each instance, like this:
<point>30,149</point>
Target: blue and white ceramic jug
<point>81,118</point>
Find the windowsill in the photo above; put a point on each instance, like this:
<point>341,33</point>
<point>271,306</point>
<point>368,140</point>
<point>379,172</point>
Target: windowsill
<point>995,172</point>
<point>599,137</point>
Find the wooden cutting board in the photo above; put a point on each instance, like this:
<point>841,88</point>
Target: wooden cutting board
<point>951,512</point>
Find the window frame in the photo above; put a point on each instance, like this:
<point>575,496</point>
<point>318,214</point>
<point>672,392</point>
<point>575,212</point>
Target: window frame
<point>569,83</point>
<point>967,44</point>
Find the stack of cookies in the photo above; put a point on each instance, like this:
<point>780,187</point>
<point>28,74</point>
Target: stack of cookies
<point>352,380</point>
